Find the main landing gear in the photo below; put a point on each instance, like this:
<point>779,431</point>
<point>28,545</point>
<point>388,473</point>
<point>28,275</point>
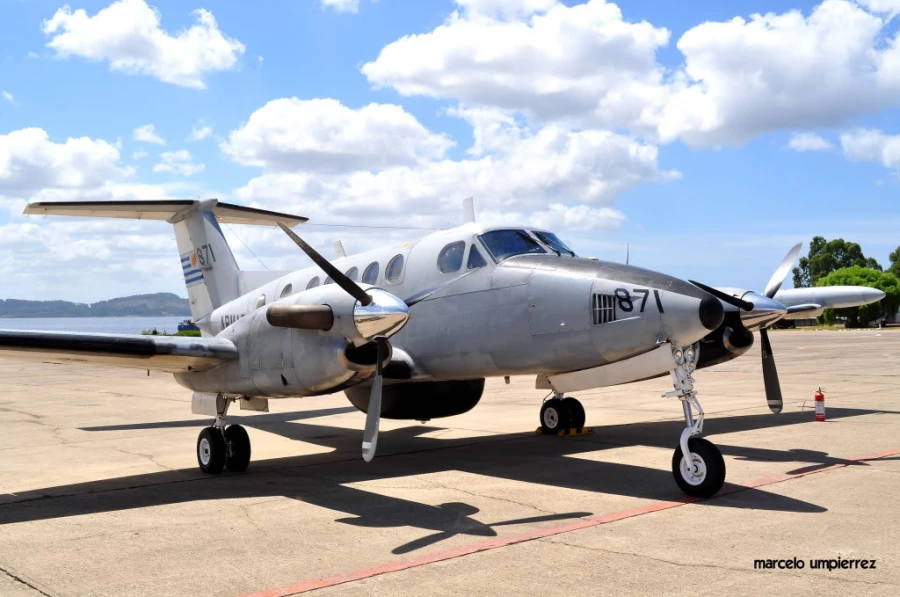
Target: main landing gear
<point>220,446</point>
<point>560,413</point>
<point>702,473</point>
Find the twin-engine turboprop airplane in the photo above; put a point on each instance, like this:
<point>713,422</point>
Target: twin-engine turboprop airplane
<point>412,331</point>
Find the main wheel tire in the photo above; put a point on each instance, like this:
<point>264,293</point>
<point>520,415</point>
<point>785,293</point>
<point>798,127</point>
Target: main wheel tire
<point>238,458</point>
<point>704,476</point>
<point>554,416</point>
<point>575,410</point>
<point>211,451</point>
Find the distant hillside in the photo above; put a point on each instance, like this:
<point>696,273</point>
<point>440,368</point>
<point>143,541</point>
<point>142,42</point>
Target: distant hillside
<point>148,305</point>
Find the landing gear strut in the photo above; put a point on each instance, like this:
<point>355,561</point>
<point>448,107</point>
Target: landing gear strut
<point>561,412</point>
<point>702,473</point>
<point>220,446</point>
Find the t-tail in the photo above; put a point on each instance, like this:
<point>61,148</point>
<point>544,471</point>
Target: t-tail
<point>211,273</point>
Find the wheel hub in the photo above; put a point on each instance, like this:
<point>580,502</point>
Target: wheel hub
<point>695,471</point>
<point>205,452</point>
<point>551,418</point>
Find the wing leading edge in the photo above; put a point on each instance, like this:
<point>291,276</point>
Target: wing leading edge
<point>174,354</point>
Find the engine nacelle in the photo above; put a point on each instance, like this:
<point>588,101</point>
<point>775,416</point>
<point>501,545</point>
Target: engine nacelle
<point>279,361</point>
<point>421,400</point>
<point>729,341</point>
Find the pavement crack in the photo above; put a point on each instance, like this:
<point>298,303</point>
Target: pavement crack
<point>20,580</point>
<point>149,457</point>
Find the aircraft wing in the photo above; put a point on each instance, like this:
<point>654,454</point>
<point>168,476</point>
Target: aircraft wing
<point>174,354</point>
<point>810,302</point>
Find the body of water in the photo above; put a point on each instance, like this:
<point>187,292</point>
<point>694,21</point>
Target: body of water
<point>113,325</point>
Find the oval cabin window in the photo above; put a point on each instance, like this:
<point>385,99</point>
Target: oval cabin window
<point>451,257</point>
<point>260,301</point>
<point>394,270</point>
<point>352,273</point>
<point>370,276</point>
<point>286,291</point>
<point>313,283</point>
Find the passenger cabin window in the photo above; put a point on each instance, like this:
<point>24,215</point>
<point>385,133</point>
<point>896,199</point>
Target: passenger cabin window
<point>506,243</point>
<point>313,283</point>
<point>451,257</point>
<point>370,276</point>
<point>553,241</point>
<point>352,273</point>
<point>260,301</point>
<point>394,269</point>
<point>328,281</point>
<point>475,259</point>
<point>286,291</point>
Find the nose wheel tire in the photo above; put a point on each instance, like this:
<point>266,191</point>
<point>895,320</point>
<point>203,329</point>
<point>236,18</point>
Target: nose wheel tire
<point>554,416</point>
<point>703,474</point>
<point>575,411</point>
<point>238,441</point>
<point>211,451</point>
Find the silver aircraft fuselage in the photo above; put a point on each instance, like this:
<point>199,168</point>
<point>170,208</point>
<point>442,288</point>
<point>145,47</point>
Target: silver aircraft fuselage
<point>537,313</point>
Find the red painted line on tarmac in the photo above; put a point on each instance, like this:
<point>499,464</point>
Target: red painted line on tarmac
<point>440,556</point>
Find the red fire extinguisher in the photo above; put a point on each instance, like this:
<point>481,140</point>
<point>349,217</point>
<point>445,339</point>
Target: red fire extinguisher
<point>820,405</point>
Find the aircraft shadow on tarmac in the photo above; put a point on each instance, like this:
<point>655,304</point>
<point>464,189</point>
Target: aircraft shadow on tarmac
<point>324,479</point>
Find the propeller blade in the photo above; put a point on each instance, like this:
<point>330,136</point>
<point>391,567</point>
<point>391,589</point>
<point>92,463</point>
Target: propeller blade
<point>781,273</point>
<point>770,374</point>
<point>352,288</point>
<point>424,294</point>
<point>725,298</point>
<point>373,416</point>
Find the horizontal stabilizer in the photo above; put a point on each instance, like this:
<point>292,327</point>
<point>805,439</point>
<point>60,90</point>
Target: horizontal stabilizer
<point>169,210</point>
<point>174,354</point>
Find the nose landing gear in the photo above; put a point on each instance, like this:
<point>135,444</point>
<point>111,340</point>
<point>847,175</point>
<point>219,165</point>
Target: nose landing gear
<point>561,412</point>
<point>702,472</point>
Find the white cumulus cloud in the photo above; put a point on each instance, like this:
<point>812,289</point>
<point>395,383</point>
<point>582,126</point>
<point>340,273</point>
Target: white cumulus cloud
<point>549,176</point>
<point>350,6</point>
<point>872,145</point>
<point>30,162</point>
<point>809,142</point>
<point>128,34</point>
<point>324,135</point>
<point>588,65</point>
<point>147,134</point>
<point>178,162</point>
<point>199,132</point>
<point>8,96</point>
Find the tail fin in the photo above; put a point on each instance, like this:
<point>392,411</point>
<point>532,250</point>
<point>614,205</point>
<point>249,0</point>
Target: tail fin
<point>211,273</point>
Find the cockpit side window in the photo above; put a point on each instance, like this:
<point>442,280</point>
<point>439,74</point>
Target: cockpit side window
<point>507,243</point>
<point>451,257</point>
<point>475,259</point>
<point>554,242</point>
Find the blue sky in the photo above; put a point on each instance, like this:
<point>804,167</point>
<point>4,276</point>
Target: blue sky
<point>722,198</point>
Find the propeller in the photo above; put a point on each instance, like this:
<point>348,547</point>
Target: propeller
<point>770,372</point>
<point>725,297</point>
<point>351,287</point>
<point>373,416</point>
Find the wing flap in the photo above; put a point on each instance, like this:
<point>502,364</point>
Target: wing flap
<point>174,354</point>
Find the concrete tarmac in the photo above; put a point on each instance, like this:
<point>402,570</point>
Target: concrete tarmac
<point>100,492</point>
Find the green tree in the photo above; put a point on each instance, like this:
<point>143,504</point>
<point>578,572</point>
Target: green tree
<point>828,256</point>
<point>862,276</point>
<point>895,262</point>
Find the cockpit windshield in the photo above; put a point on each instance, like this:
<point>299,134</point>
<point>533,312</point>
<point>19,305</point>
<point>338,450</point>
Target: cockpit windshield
<point>506,243</point>
<point>553,241</point>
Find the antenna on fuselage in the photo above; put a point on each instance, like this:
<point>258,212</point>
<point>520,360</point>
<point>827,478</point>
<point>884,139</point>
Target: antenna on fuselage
<point>468,210</point>
<point>627,253</point>
<point>339,249</point>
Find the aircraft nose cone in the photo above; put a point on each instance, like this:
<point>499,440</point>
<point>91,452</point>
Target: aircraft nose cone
<point>873,294</point>
<point>712,314</point>
<point>765,311</point>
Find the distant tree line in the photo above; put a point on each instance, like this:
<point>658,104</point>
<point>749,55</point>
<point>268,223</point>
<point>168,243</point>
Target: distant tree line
<point>841,263</point>
<point>148,305</point>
